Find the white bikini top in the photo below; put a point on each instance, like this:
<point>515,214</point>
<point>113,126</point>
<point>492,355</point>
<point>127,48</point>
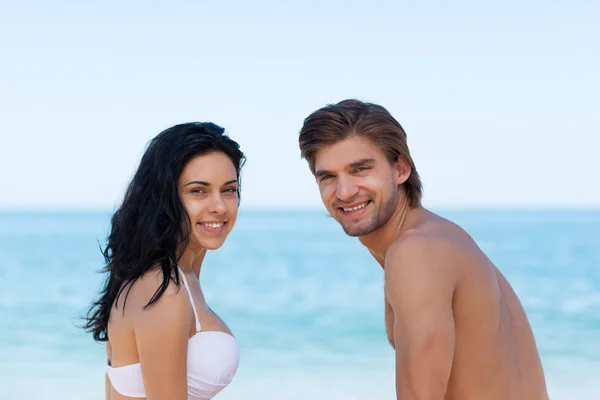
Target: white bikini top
<point>212,361</point>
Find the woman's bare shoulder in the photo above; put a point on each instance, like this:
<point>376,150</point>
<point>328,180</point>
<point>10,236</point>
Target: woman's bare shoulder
<point>133,301</point>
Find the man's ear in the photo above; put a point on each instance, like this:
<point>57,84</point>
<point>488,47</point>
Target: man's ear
<point>402,170</point>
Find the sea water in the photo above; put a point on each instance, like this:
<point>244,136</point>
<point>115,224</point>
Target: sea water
<point>304,300</point>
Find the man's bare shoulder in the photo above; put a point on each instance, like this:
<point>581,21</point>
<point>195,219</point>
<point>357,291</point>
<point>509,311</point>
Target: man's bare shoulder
<point>436,234</point>
<point>438,253</point>
<point>420,256</point>
<point>432,241</point>
<point>434,249</point>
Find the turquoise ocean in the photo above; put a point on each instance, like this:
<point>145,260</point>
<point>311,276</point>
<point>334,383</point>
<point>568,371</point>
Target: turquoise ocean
<point>304,300</point>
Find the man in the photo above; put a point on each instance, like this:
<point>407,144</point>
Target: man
<point>457,327</point>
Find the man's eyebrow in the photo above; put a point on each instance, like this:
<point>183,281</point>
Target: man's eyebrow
<point>352,165</point>
<point>321,172</point>
<point>208,184</point>
<point>360,162</point>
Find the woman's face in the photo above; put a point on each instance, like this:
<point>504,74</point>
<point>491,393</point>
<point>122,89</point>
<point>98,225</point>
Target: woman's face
<point>208,188</point>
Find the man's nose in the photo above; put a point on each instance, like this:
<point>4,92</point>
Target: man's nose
<point>346,189</point>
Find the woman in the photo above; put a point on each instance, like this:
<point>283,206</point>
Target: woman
<point>163,342</point>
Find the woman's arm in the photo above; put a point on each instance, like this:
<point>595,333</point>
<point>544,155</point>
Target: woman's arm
<point>162,333</point>
<point>107,385</point>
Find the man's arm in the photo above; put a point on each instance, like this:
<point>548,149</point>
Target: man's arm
<point>389,322</point>
<point>419,284</point>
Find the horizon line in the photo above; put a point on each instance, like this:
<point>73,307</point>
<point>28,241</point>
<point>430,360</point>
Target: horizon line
<point>312,208</point>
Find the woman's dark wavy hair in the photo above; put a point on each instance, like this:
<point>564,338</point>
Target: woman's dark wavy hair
<point>151,227</point>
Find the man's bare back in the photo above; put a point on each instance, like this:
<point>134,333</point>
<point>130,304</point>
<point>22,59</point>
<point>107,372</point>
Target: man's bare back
<point>493,354</point>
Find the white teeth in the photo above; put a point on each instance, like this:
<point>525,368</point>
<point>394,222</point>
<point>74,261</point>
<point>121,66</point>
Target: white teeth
<point>358,207</point>
<point>214,226</point>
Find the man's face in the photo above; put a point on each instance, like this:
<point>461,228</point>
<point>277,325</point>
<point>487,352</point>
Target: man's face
<point>358,185</point>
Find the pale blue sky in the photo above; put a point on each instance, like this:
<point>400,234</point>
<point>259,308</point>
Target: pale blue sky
<point>500,101</point>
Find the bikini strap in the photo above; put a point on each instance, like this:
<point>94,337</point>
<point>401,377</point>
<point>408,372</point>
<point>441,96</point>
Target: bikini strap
<point>185,283</point>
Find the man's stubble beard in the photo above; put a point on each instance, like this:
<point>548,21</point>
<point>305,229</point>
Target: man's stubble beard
<point>379,219</point>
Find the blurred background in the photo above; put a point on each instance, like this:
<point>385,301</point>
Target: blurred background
<point>500,105</point>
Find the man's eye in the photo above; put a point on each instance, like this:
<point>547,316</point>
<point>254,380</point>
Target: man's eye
<point>326,177</point>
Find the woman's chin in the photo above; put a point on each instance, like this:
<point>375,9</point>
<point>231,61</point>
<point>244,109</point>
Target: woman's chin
<point>213,246</point>
<point>210,243</point>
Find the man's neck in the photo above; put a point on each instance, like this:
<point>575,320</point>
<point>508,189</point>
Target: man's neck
<point>380,241</point>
